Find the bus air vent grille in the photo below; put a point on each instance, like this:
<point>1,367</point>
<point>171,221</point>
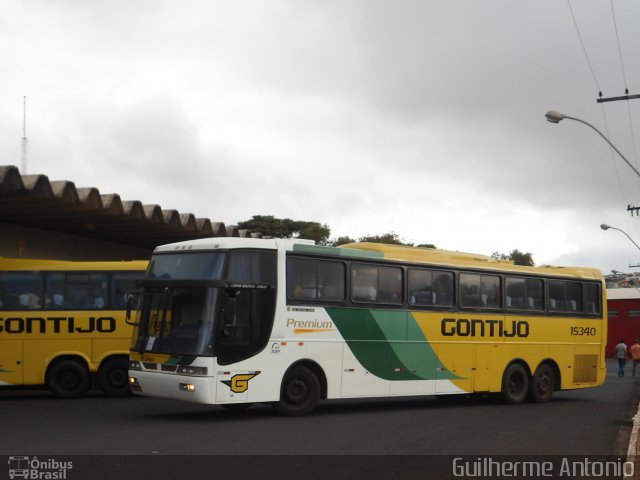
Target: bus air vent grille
<point>586,369</point>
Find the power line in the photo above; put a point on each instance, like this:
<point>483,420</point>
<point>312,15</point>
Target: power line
<point>601,100</point>
<point>613,159</point>
<point>615,26</point>
<point>584,50</point>
<point>626,85</point>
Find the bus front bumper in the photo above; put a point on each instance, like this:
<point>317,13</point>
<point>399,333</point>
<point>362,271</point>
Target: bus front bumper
<point>177,387</point>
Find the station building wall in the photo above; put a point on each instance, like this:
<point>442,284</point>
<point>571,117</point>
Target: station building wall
<point>623,305</point>
<point>24,242</point>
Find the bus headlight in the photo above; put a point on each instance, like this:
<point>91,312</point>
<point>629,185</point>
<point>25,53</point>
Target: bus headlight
<point>134,384</point>
<point>189,370</point>
<point>134,365</point>
<point>189,387</point>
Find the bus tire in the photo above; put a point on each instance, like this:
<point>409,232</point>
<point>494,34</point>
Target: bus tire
<point>542,384</point>
<point>515,384</point>
<point>300,392</point>
<point>113,377</point>
<point>68,379</point>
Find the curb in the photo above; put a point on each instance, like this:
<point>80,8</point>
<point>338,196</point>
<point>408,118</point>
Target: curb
<point>632,451</point>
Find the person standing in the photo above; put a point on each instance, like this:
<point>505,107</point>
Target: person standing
<point>635,356</point>
<point>621,355</point>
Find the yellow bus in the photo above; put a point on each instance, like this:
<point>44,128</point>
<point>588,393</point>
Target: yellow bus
<point>62,324</point>
<point>236,321</point>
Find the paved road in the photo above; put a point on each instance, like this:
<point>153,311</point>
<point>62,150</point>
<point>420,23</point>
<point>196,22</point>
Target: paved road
<point>584,422</point>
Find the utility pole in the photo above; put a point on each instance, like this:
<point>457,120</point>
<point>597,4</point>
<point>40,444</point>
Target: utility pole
<point>24,136</point>
<point>615,99</point>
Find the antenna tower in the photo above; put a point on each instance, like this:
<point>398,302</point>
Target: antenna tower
<point>24,136</point>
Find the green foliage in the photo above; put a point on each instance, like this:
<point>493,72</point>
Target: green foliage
<point>342,241</point>
<point>270,226</point>
<point>388,238</point>
<point>516,256</point>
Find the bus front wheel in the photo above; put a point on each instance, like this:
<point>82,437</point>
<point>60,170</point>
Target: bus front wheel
<point>68,379</point>
<point>515,384</point>
<point>300,392</point>
<point>113,377</point>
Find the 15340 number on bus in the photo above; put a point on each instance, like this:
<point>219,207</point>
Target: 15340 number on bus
<point>584,331</point>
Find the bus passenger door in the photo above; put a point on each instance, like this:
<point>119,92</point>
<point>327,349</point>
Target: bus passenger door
<point>11,362</point>
<point>245,323</point>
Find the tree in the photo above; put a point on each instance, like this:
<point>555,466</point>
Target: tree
<point>342,241</point>
<point>516,256</point>
<point>388,238</point>
<point>270,226</point>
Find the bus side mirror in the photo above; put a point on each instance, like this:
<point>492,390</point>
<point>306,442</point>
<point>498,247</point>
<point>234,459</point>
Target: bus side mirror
<point>130,306</point>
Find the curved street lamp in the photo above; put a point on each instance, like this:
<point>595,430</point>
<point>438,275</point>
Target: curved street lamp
<point>555,117</point>
<point>604,226</point>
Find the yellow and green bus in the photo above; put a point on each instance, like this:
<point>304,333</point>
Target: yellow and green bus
<point>62,324</point>
<point>234,321</point>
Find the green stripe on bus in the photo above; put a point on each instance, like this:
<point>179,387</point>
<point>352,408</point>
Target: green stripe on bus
<point>340,252</point>
<point>389,344</point>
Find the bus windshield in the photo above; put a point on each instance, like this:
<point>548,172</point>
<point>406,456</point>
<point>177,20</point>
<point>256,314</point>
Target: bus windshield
<point>187,266</point>
<point>207,303</point>
<point>177,320</point>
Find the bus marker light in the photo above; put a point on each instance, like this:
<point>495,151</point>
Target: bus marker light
<point>189,387</point>
<point>300,344</point>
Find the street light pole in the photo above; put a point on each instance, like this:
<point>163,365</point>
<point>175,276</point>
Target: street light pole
<point>604,226</point>
<point>555,117</point>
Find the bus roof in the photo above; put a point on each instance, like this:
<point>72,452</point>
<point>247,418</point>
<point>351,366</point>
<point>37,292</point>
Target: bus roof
<point>33,264</point>
<point>472,260</point>
<point>214,243</point>
<point>366,250</point>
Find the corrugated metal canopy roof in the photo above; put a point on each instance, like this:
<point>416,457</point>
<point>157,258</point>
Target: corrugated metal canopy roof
<point>35,201</point>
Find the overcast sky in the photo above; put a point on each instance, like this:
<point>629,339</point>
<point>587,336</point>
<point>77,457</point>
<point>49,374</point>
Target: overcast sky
<point>425,118</point>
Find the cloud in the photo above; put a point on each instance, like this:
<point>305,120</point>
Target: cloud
<point>421,117</point>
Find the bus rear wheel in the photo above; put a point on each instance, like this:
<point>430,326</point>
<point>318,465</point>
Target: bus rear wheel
<point>542,384</point>
<point>515,384</point>
<point>68,379</point>
<point>300,392</point>
<point>113,377</point>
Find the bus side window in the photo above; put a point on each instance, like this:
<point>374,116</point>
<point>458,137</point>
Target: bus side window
<point>252,267</point>
<point>123,286</point>
<point>86,290</point>
<point>443,288</point>
<point>421,287</point>
<point>55,291</point>
<point>331,280</point>
<point>21,290</point>
<point>592,298</point>
<point>364,280</point>
<point>557,295</point>
<point>574,297</point>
